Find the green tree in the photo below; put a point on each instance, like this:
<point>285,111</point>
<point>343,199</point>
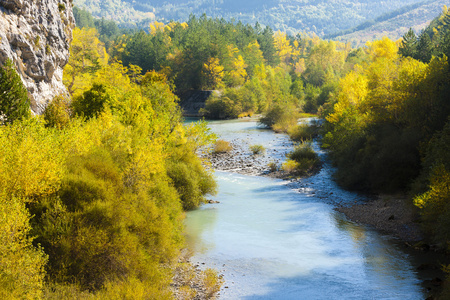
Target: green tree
<point>409,44</point>
<point>92,102</point>
<point>14,102</point>
<point>424,47</point>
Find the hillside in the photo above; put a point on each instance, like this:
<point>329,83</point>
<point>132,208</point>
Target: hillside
<point>320,16</point>
<point>393,25</point>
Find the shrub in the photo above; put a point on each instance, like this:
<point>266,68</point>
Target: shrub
<point>57,113</point>
<point>289,166</point>
<point>303,132</point>
<point>303,151</point>
<point>280,118</point>
<point>273,166</point>
<point>212,282</point>
<point>14,102</point>
<point>222,146</point>
<point>257,149</point>
<point>304,157</point>
<point>245,114</point>
<point>221,108</point>
<point>21,264</point>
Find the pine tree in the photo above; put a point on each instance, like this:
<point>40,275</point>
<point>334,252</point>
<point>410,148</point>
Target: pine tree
<point>424,48</point>
<point>409,44</point>
<point>14,102</point>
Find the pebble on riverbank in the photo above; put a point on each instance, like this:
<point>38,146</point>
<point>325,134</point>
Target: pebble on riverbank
<point>391,214</point>
<point>190,282</point>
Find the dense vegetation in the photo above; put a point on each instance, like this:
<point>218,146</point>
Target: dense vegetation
<point>255,69</point>
<point>92,194</point>
<point>388,128</point>
<point>386,105</point>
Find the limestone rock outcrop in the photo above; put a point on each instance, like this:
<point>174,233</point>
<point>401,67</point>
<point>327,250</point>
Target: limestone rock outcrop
<point>36,35</point>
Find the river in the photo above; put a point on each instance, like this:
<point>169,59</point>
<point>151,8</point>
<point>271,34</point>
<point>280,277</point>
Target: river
<point>272,239</point>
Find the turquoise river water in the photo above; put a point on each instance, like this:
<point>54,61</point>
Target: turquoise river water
<point>272,240</point>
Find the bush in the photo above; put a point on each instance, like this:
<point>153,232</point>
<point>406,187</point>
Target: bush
<point>221,108</point>
<point>212,282</point>
<point>303,159</point>
<point>257,149</point>
<point>21,264</point>
<point>289,166</point>
<point>222,146</point>
<point>14,102</point>
<point>272,166</point>
<point>57,113</point>
<point>280,118</point>
<point>303,132</point>
<point>191,181</point>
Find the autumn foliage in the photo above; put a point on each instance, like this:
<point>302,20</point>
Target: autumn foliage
<point>93,193</point>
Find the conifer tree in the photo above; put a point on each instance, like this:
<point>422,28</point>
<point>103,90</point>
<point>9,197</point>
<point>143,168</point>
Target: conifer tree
<point>14,102</point>
<point>409,44</point>
<point>424,48</point>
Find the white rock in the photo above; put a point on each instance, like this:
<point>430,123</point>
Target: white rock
<point>36,36</point>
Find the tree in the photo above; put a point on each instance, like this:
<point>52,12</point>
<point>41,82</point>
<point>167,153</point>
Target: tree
<point>424,47</point>
<point>212,74</point>
<point>266,42</point>
<point>283,47</point>
<point>14,102</point>
<point>409,44</point>
<point>87,55</point>
<point>92,102</point>
<point>237,75</point>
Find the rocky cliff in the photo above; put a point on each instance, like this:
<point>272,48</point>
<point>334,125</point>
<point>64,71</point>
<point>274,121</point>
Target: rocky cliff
<point>35,35</point>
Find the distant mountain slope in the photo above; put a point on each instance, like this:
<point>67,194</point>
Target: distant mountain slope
<point>394,26</point>
<point>320,16</point>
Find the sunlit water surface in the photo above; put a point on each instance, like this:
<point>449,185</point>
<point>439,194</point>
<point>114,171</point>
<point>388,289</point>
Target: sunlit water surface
<point>274,242</point>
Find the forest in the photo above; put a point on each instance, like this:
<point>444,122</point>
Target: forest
<point>293,16</point>
<point>93,191</point>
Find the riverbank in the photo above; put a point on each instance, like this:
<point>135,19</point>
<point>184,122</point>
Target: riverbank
<point>241,160</point>
<point>190,282</point>
<point>391,214</point>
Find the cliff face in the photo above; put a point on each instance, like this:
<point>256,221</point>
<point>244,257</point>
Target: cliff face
<point>36,35</point>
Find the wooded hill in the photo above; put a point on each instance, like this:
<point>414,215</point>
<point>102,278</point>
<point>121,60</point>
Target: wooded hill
<point>292,16</point>
<point>393,24</point>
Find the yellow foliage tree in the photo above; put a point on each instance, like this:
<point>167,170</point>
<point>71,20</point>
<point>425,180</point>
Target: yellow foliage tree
<point>32,161</point>
<point>21,265</point>
<point>237,75</point>
<point>156,26</point>
<point>87,55</point>
<point>212,74</point>
<point>353,90</point>
<point>384,48</point>
<point>282,46</point>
